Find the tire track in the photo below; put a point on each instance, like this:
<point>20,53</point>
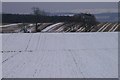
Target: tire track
<point>28,42</point>
<point>80,70</point>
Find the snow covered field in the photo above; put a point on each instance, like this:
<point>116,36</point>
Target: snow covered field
<point>60,55</point>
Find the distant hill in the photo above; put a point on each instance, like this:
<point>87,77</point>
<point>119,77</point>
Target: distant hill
<point>102,17</point>
<point>107,17</point>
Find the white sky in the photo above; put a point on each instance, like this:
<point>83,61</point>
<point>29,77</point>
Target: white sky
<point>75,7</point>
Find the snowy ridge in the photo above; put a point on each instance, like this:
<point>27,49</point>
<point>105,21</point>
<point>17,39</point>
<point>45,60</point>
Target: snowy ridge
<point>46,29</point>
<point>10,25</point>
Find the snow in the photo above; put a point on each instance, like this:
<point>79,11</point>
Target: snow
<point>10,25</point>
<point>0,56</point>
<point>60,55</point>
<point>51,26</point>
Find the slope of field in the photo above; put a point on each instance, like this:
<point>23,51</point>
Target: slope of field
<point>61,27</point>
<point>60,55</point>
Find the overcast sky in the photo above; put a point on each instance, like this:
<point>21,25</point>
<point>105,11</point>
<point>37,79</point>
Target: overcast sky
<point>76,7</point>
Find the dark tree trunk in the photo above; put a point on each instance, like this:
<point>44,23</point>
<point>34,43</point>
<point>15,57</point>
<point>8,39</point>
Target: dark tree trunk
<point>36,26</point>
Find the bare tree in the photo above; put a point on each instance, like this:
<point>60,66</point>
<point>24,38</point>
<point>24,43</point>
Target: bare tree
<point>37,12</point>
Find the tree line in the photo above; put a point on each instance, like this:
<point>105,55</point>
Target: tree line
<point>42,16</point>
<point>30,18</point>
